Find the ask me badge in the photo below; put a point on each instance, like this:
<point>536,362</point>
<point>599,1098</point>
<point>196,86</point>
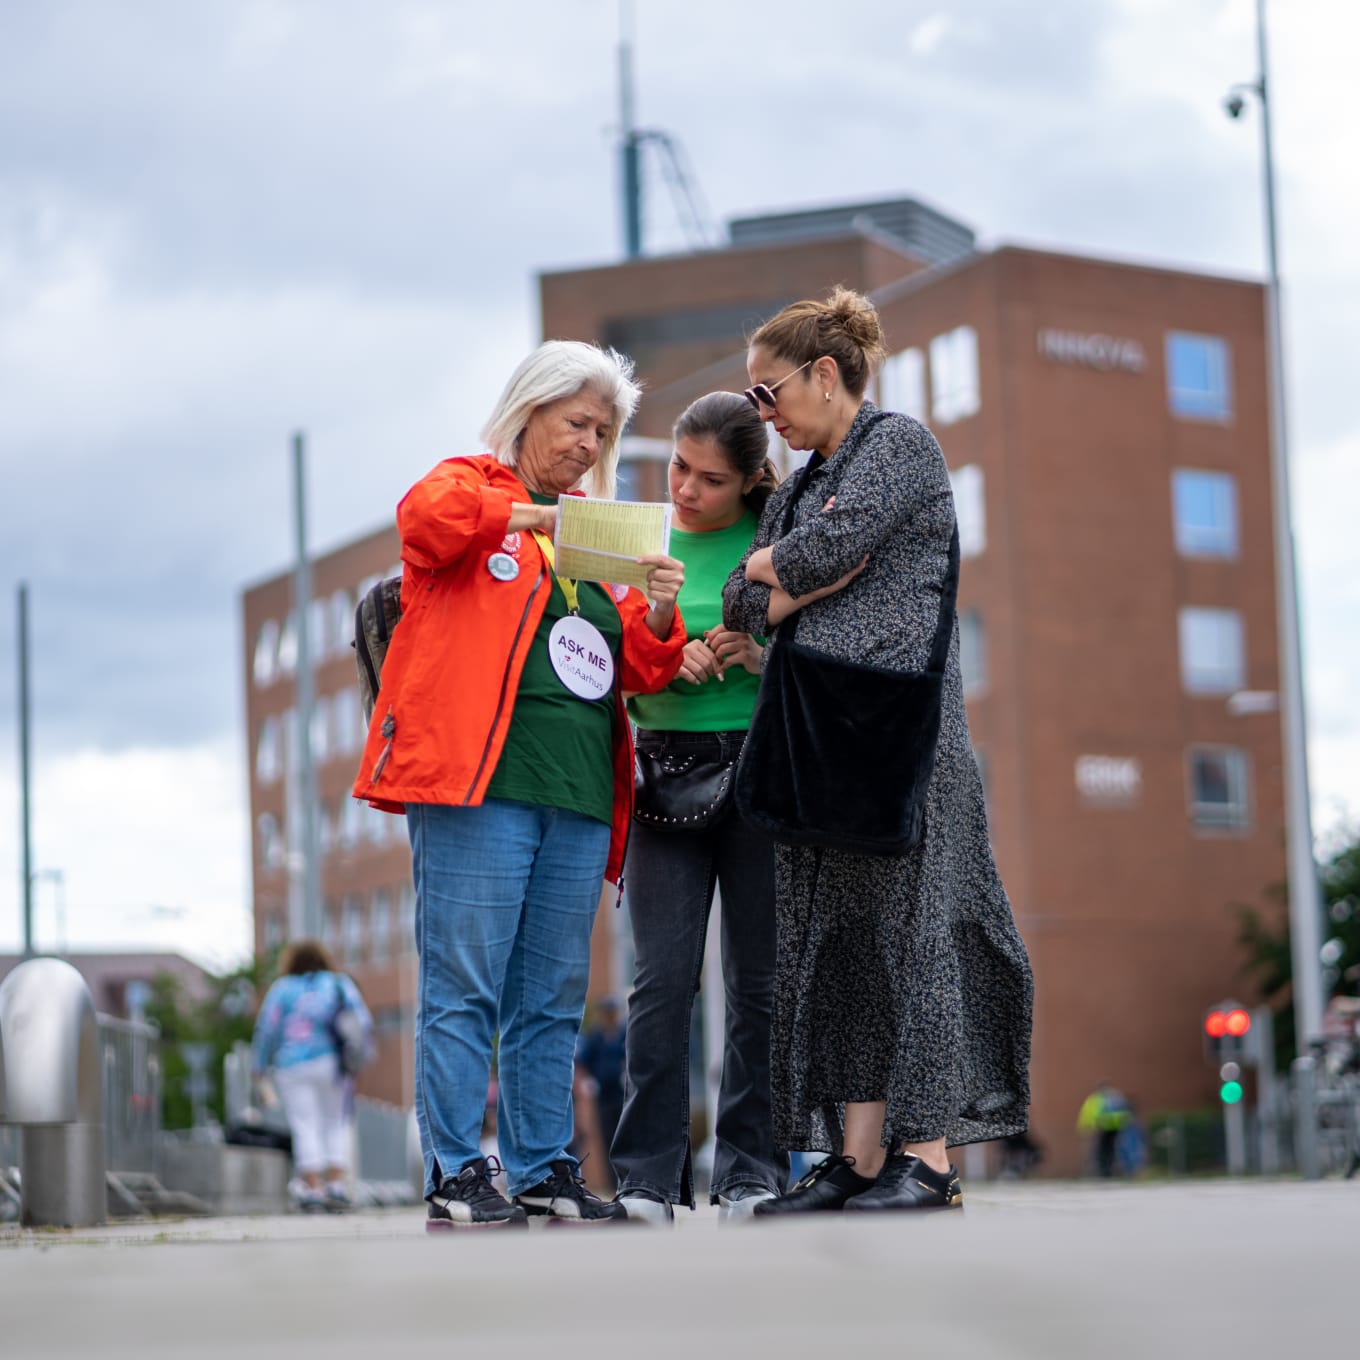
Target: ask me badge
<point>580,657</point>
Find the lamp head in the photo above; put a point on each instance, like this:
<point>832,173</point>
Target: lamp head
<point>1233,105</point>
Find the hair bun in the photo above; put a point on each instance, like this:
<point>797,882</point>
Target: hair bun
<point>856,316</point>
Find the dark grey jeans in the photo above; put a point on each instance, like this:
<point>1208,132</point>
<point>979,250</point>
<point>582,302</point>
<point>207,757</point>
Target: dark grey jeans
<point>671,877</point>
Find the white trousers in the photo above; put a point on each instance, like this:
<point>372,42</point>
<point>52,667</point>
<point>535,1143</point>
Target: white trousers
<point>313,1095</point>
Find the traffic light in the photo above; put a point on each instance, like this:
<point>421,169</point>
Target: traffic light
<point>1227,1034</point>
<point>1230,1083</point>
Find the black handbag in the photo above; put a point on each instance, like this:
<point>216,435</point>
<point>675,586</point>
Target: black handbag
<point>840,754</point>
<point>679,790</point>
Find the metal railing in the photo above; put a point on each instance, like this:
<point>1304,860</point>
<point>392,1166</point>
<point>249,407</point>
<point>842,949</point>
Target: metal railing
<point>131,1074</point>
<point>130,1082</point>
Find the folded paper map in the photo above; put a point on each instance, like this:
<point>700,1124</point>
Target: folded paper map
<point>600,540</point>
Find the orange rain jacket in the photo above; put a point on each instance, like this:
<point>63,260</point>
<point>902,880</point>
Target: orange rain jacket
<point>452,669</point>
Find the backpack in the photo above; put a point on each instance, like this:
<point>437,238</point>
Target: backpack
<point>377,614</point>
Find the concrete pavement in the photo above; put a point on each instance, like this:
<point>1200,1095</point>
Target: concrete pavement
<point>1192,1268</point>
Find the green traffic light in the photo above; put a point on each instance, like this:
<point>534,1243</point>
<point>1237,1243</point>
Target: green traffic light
<point>1230,1092</point>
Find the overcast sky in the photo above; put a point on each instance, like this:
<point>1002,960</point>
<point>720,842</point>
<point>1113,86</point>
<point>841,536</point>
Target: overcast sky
<point>221,220</point>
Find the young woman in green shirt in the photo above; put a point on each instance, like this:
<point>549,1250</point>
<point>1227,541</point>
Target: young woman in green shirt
<point>719,476</point>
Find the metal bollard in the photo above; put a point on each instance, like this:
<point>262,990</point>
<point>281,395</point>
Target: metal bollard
<point>50,1086</point>
<point>1307,1156</point>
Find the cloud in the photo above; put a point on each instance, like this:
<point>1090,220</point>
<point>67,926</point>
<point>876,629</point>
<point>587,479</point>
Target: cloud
<point>153,850</point>
<point>162,479</point>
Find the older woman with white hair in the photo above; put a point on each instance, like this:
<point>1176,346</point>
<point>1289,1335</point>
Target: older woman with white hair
<point>515,778</point>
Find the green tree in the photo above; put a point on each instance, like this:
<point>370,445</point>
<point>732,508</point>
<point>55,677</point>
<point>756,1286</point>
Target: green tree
<point>223,1016</point>
<point>1265,939</point>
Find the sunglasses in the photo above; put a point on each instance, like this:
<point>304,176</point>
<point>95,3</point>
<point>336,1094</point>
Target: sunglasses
<point>763,395</point>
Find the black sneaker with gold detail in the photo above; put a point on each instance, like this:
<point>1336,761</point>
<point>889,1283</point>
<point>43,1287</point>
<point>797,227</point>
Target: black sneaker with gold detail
<point>906,1182</point>
<point>827,1186</point>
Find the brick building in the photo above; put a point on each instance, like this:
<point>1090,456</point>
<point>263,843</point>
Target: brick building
<point>1106,429</point>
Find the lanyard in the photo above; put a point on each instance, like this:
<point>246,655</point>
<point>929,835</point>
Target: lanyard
<point>568,586</point>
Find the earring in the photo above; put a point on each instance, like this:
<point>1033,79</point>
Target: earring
<point>827,395</point>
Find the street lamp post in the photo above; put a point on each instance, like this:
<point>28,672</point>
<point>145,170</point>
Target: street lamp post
<point>1305,900</point>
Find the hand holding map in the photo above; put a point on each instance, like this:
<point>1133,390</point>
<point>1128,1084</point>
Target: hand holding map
<point>598,540</point>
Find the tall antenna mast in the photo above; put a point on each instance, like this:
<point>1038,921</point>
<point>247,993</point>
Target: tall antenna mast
<point>630,144</point>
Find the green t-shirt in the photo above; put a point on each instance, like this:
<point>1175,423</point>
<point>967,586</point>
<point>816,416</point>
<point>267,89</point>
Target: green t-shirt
<point>559,749</point>
<point>714,706</point>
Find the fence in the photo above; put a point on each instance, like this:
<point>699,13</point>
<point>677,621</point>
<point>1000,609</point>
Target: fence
<point>130,1078</point>
<point>131,1055</point>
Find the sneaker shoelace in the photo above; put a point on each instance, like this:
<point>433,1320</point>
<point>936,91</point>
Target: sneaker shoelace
<point>473,1184</point>
<point>567,1180</point>
<point>822,1170</point>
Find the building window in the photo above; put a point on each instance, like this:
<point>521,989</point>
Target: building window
<point>902,383</point>
<point>1205,507</point>
<point>1218,787</point>
<point>326,824</point>
<point>318,635</point>
<point>380,926</point>
<point>1212,651</point>
<point>970,508</point>
<point>972,652</point>
<point>271,847</point>
<point>330,925</point>
<point>288,648</point>
<point>347,720</point>
<point>321,728</point>
<point>269,751</point>
<point>267,652</point>
<point>350,813</point>
<point>341,610</point>
<point>1198,380</point>
<point>406,922</point>
<point>272,935</point>
<point>353,939</point>
<point>954,375</point>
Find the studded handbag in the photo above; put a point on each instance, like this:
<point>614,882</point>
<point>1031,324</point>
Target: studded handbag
<point>679,790</point>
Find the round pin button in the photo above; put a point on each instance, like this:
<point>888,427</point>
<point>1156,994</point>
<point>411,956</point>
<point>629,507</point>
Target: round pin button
<point>581,658</point>
<point>502,566</point>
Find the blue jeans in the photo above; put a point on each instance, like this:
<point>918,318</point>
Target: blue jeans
<point>671,876</point>
<point>505,900</point>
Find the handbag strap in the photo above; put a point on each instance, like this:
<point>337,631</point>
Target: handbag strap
<point>944,624</point>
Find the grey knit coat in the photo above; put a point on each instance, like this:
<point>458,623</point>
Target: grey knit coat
<point>898,979</point>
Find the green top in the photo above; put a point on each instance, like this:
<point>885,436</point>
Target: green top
<point>714,706</point>
<point>559,749</point>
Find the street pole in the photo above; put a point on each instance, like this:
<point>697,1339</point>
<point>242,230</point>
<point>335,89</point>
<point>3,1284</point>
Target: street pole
<point>1305,898</point>
<point>1235,1137</point>
<point>26,868</point>
<point>630,143</point>
<point>307,840</point>
<point>1267,1090</point>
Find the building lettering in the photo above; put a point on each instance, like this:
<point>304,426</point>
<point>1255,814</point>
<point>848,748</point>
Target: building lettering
<point>1106,352</point>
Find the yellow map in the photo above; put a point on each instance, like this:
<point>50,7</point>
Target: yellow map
<point>599,540</point>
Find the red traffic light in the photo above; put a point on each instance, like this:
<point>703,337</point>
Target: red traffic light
<point>1216,1024</point>
<point>1237,1022</point>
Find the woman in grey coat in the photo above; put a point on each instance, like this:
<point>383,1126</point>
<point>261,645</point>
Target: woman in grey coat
<point>903,994</point>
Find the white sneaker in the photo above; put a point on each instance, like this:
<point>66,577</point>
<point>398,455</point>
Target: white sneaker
<point>741,1203</point>
<point>644,1209</point>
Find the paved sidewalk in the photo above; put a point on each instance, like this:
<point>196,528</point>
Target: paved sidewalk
<point>1042,1270</point>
